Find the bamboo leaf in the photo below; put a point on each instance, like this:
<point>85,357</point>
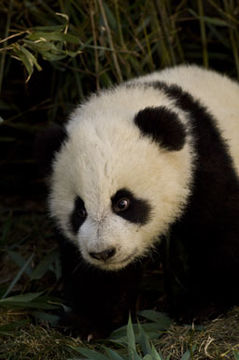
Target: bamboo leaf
<point>26,57</point>
<point>113,355</point>
<point>236,355</point>
<point>53,36</point>
<point>90,354</point>
<point>23,298</point>
<point>186,355</point>
<point>156,355</point>
<point>19,260</point>
<point>131,342</point>
<point>17,277</point>
<point>44,266</point>
<point>162,320</point>
<point>144,341</point>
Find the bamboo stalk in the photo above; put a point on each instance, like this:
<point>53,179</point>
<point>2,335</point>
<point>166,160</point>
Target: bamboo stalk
<point>228,7</point>
<point>96,55</point>
<point>9,14</point>
<point>203,33</point>
<point>160,5</point>
<point>115,59</point>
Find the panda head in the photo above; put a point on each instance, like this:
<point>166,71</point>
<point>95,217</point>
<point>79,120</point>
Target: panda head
<point>119,179</point>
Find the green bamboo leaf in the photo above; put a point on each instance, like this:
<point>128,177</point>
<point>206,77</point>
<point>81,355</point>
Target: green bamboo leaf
<point>148,357</point>
<point>162,320</point>
<point>49,28</point>
<point>44,266</point>
<point>20,261</point>
<point>90,354</point>
<point>53,36</point>
<point>113,355</point>
<point>144,341</point>
<point>23,298</point>
<point>119,335</point>
<point>31,58</point>
<point>131,342</point>
<point>208,19</point>
<point>186,355</point>
<point>44,316</point>
<point>110,17</point>
<point>17,277</point>
<point>26,57</point>
<point>14,325</point>
<point>31,301</point>
<point>236,355</point>
<point>156,355</point>
<point>215,21</point>
<point>130,335</point>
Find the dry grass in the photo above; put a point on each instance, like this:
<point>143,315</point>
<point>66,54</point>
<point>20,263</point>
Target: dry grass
<point>218,339</point>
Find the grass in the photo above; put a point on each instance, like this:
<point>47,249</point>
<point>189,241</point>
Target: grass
<point>53,54</point>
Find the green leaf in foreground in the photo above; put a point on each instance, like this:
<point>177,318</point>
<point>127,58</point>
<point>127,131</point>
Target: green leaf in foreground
<point>162,320</point>
<point>90,354</point>
<point>23,298</point>
<point>154,330</point>
<point>26,57</point>
<point>30,300</point>
<point>236,355</point>
<point>113,355</point>
<point>131,342</point>
<point>18,276</point>
<point>42,268</point>
<point>9,329</point>
<point>138,347</point>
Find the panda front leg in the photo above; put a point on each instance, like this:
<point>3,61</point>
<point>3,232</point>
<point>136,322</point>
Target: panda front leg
<point>100,300</point>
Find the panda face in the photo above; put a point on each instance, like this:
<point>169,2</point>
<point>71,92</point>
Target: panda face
<point>114,188</point>
<point>94,237</point>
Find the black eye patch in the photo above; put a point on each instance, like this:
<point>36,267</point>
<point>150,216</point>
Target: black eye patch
<point>78,214</point>
<point>138,210</point>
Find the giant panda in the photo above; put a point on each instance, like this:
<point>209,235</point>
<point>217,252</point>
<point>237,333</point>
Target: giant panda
<point>154,158</point>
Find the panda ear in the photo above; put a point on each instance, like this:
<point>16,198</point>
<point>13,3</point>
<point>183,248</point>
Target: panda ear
<point>47,143</point>
<point>163,126</point>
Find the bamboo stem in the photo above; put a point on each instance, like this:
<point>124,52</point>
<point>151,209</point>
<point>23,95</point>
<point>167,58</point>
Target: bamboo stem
<point>203,33</point>
<point>9,14</point>
<point>115,59</point>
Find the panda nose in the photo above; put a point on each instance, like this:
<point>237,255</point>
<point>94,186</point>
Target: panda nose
<point>103,255</point>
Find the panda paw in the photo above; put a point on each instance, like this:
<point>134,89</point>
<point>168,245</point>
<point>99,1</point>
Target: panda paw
<point>86,329</point>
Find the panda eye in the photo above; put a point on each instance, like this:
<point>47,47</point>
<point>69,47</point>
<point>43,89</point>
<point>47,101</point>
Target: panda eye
<point>81,213</point>
<point>78,215</point>
<point>121,205</point>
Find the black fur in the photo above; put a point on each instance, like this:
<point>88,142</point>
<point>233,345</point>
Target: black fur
<point>139,210</point>
<point>209,229</point>
<point>100,300</point>
<point>163,126</point>
<point>78,215</point>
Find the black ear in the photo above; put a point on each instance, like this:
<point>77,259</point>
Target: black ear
<point>163,126</point>
<point>47,143</point>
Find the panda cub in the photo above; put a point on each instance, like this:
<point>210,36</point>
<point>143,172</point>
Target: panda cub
<point>153,158</point>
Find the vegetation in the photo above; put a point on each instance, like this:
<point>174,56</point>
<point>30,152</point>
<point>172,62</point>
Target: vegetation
<point>52,55</point>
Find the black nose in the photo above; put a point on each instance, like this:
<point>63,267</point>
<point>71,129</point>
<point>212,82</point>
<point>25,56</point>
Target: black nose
<point>103,255</point>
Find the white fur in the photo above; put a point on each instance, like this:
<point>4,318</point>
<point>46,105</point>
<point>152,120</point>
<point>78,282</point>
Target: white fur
<point>106,152</point>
